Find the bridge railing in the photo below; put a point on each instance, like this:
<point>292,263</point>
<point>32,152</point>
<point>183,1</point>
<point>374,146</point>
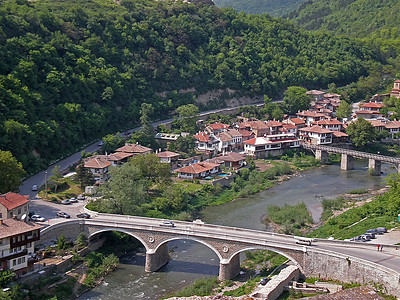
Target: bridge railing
<point>354,153</point>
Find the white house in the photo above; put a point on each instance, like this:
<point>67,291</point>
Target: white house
<point>316,135</point>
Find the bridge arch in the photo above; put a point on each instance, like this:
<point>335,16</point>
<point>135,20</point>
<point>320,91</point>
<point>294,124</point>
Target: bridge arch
<point>272,249</point>
<point>191,239</point>
<point>140,239</point>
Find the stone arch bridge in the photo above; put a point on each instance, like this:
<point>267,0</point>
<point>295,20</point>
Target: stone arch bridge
<point>344,261</point>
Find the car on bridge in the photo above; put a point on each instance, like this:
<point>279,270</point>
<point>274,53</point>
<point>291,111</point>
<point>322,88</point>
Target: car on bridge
<point>167,224</point>
<point>63,215</point>
<point>83,215</point>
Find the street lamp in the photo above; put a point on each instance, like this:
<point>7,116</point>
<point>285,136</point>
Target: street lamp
<point>45,182</point>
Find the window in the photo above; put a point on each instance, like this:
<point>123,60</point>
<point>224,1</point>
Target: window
<point>19,211</point>
<point>23,259</point>
<point>1,215</point>
<point>11,214</point>
<point>14,262</point>
<point>19,260</point>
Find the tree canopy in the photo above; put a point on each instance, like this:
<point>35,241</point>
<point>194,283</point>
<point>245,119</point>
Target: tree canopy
<point>296,99</point>
<point>361,132</point>
<point>73,71</point>
<point>11,172</point>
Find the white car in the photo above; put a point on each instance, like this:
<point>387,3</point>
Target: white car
<point>167,224</point>
<point>35,187</point>
<point>37,218</point>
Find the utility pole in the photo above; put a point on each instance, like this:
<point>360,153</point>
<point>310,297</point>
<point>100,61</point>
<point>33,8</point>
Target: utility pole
<point>45,182</point>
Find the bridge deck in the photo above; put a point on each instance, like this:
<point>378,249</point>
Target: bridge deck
<point>354,153</point>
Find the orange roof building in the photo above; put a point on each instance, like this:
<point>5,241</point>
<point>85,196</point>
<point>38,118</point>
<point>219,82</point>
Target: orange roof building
<point>13,205</point>
<point>198,170</point>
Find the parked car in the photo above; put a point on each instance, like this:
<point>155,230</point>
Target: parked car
<point>37,218</point>
<point>73,200</point>
<point>101,143</point>
<point>65,201</point>
<point>365,237</point>
<point>35,187</point>
<point>374,230</point>
<point>383,229</point>
<point>167,224</point>
<point>83,215</point>
<point>371,235</point>
<point>80,197</point>
<point>264,281</point>
<point>63,215</point>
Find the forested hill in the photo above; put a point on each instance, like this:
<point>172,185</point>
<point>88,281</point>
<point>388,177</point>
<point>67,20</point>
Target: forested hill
<point>275,8</point>
<point>358,18</point>
<point>73,70</point>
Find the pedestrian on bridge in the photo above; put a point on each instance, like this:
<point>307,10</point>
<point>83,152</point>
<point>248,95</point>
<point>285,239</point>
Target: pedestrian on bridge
<point>379,246</point>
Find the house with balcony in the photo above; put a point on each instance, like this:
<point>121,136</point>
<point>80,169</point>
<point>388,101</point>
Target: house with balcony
<point>216,128</point>
<point>310,117</point>
<point>13,205</point>
<point>17,243</point>
<point>262,147</point>
<point>298,122</point>
<point>396,89</point>
<point>170,158</point>
<point>316,135</point>
<point>198,170</point>
<point>230,160</point>
<point>274,127</point>
<point>99,166</point>
<point>330,124</point>
<point>371,106</point>
<point>316,95</point>
<point>393,127</point>
<point>206,143</point>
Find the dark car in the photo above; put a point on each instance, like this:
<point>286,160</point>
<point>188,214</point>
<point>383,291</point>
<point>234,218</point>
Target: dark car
<point>83,215</point>
<point>63,215</point>
<point>264,281</point>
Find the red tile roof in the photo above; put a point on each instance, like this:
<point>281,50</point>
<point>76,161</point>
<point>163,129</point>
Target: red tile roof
<point>166,154</point>
<point>133,148</point>
<point>232,156</point>
<point>377,123</point>
<point>233,132</point>
<point>297,121</point>
<point>217,126</point>
<point>274,124</point>
<point>329,95</point>
<point>315,129</point>
<point>224,137</point>
<point>372,105</point>
<point>197,168</point>
<point>367,112</point>
<point>339,134</point>
<point>202,137</point>
<point>11,227</point>
<point>258,125</point>
<point>13,200</point>
<point>329,122</point>
<point>290,126</point>
<point>308,113</point>
<point>96,162</point>
<point>245,133</point>
<point>256,141</point>
<point>393,124</point>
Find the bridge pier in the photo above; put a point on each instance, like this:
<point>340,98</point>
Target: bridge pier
<point>322,156</point>
<point>347,162</point>
<point>229,270</point>
<point>374,167</point>
<point>156,259</point>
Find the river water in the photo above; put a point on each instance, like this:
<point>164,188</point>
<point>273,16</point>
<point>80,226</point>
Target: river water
<point>190,260</point>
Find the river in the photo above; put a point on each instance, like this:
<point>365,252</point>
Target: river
<point>190,260</point>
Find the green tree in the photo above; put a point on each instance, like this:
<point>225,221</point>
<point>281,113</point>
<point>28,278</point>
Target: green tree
<point>361,132</point>
<point>185,144</point>
<point>11,172</point>
<point>112,142</point>
<point>296,99</point>
<point>81,239</point>
<point>84,176</point>
<point>188,116</point>
<point>61,242</point>
<point>125,192</point>
<point>145,136</point>
<point>272,110</point>
<point>56,178</point>
<point>151,169</point>
<point>344,110</point>
<point>6,276</point>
